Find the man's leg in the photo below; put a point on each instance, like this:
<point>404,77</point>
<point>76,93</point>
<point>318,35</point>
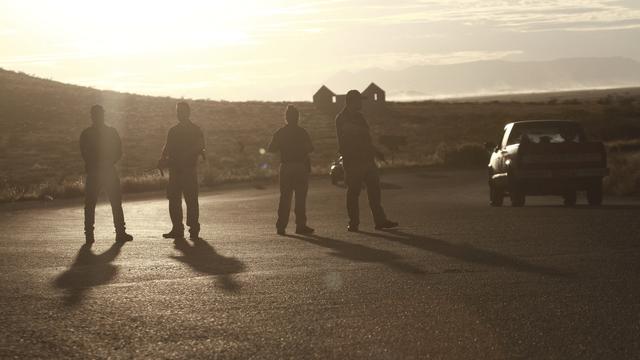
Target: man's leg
<point>286,193</point>
<point>191,199</point>
<point>301,190</point>
<point>372,180</point>
<point>112,187</point>
<point>91,190</point>
<point>353,180</point>
<point>114,192</point>
<point>174,194</point>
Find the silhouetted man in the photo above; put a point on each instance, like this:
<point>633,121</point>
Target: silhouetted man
<point>101,149</point>
<point>294,145</point>
<point>358,152</point>
<point>185,142</point>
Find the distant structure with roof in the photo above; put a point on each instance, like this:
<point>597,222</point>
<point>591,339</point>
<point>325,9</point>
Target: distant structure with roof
<point>325,99</point>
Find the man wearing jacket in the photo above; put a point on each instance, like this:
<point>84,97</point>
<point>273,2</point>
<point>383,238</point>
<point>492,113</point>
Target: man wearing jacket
<point>185,143</point>
<point>101,149</point>
<point>294,145</point>
<point>356,147</point>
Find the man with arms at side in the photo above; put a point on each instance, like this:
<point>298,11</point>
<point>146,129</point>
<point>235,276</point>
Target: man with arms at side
<point>356,147</point>
<point>294,145</point>
<point>101,149</point>
<point>185,143</point>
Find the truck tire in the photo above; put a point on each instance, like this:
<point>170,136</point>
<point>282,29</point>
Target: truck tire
<point>595,193</point>
<point>496,195</point>
<point>570,198</point>
<point>517,197</point>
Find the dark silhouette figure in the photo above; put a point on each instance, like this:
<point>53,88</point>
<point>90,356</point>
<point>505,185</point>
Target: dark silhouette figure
<point>88,270</point>
<point>203,258</point>
<point>464,252</point>
<point>360,253</point>
<point>356,147</point>
<point>185,142</point>
<point>294,145</point>
<point>101,149</point>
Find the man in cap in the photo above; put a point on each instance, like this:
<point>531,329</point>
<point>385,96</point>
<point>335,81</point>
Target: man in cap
<point>185,143</point>
<point>294,145</point>
<point>356,147</point>
<point>101,149</point>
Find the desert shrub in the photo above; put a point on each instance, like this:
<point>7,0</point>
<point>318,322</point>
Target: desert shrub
<point>149,181</point>
<point>607,100</point>
<point>624,178</point>
<point>66,188</point>
<point>468,155</point>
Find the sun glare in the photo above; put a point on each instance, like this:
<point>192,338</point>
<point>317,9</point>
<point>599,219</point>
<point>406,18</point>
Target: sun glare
<point>120,27</point>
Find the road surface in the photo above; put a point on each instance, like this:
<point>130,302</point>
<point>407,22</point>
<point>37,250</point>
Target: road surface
<point>457,280</point>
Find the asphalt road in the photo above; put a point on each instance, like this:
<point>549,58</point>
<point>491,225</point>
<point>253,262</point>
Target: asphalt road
<point>458,279</point>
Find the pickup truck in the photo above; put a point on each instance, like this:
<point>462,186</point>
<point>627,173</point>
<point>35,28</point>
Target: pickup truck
<point>546,157</point>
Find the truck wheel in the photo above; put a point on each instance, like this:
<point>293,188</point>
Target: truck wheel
<point>570,198</point>
<point>517,197</point>
<point>496,195</point>
<point>594,194</point>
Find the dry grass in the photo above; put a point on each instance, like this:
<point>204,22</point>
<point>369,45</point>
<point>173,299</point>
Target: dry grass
<point>40,122</point>
<point>624,178</point>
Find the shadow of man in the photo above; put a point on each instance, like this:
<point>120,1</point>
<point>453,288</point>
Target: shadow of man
<point>464,252</point>
<point>88,270</point>
<point>204,259</point>
<point>360,253</point>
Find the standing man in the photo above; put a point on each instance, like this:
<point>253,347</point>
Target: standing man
<point>185,142</point>
<point>358,152</point>
<point>101,149</point>
<point>294,145</point>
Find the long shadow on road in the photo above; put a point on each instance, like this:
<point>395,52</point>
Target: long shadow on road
<point>88,270</point>
<point>464,252</point>
<point>614,207</point>
<point>203,258</point>
<point>360,253</point>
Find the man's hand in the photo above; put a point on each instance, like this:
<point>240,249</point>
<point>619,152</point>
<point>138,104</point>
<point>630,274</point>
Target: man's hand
<point>162,164</point>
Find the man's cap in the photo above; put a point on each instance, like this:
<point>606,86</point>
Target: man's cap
<point>292,109</point>
<point>354,94</point>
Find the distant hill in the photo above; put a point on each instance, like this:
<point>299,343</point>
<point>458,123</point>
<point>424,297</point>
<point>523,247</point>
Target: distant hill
<point>495,77</point>
<point>40,121</point>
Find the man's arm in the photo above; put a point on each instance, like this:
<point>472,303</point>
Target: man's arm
<point>83,146</point>
<point>164,155</point>
<point>117,155</point>
<point>340,133</point>
<point>274,145</point>
<point>201,144</point>
<point>308,146</point>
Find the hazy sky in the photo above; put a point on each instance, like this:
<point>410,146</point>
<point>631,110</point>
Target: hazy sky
<point>277,50</point>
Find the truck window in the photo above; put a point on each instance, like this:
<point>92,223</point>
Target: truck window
<point>507,131</point>
<point>546,133</point>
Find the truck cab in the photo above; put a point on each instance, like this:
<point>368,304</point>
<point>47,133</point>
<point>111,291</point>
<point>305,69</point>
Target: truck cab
<point>546,157</point>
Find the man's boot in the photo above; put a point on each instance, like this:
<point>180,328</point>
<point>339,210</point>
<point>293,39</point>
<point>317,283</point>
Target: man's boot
<point>174,234</point>
<point>387,224</point>
<point>89,238</point>
<point>122,237</point>
<point>304,230</point>
<point>194,232</point>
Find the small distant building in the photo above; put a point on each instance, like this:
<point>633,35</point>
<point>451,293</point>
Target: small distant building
<point>374,93</point>
<point>325,99</point>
